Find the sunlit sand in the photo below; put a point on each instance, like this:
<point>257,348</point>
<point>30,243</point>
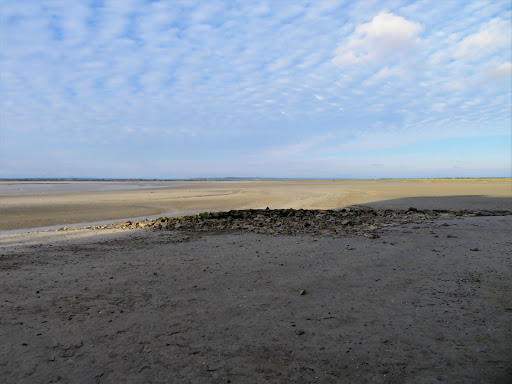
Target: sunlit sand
<point>49,208</point>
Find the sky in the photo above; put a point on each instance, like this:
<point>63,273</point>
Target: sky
<point>312,89</point>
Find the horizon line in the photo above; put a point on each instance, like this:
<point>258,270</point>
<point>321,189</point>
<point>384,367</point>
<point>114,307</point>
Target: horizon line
<point>246,178</point>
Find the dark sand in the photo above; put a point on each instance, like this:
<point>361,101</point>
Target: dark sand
<point>416,305</point>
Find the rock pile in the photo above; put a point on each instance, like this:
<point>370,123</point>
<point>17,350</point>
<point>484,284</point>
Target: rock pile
<point>345,222</point>
<point>363,221</point>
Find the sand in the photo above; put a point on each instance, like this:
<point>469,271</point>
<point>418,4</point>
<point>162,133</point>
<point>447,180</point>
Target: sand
<point>426,302</point>
<point>177,198</point>
<point>416,305</point>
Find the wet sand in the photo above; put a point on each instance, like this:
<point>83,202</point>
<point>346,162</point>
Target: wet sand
<point>50,208</point>
<point>423,303</point>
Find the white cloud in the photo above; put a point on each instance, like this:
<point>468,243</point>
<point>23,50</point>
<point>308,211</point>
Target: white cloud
<point>300,148</point>
<point>387,35</point>
<point>388,72</point>
<point>391,30</point>
<point>455,85</point>
<point>438,107</point>
<point>491,37</point>
<point>504,70</point>
<point>385,73</point>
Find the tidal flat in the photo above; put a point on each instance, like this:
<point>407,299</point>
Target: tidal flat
<point>424,301</point>
<point>49,205</point>
<point>409,283</point>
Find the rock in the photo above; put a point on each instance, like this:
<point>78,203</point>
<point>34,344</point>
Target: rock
<point>302,292</point>
<point>359,221</point>
<point>474,249</point>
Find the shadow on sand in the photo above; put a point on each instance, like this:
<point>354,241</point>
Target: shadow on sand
<point>475,202</point>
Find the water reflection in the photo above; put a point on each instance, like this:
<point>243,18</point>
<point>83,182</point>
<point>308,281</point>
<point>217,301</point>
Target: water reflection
<point>73,187</point>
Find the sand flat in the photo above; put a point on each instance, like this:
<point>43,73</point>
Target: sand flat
<point>423,303</point>
<point>427,300</point>
<point>60,208</point>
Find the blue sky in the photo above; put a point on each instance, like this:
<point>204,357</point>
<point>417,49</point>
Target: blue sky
<point>176,89</point>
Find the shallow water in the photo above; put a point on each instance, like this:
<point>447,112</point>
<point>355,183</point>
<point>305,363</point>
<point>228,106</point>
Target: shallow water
<point>22,188</point>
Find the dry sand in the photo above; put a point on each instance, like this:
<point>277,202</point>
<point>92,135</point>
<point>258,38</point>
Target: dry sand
<point>413,306</point>
<point>64,208</point>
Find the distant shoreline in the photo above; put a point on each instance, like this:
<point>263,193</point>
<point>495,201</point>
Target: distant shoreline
<point>108,180</point>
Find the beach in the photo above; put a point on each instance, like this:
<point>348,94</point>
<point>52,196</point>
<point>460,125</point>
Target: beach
<point>421,303</point>
<point>267,192</point>
<point>77,204</point>
<point>412,288</point>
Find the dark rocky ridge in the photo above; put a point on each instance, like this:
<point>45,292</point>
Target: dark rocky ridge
<point>351,221</point>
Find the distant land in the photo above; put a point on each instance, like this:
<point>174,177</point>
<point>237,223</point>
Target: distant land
<point>93,179</point>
